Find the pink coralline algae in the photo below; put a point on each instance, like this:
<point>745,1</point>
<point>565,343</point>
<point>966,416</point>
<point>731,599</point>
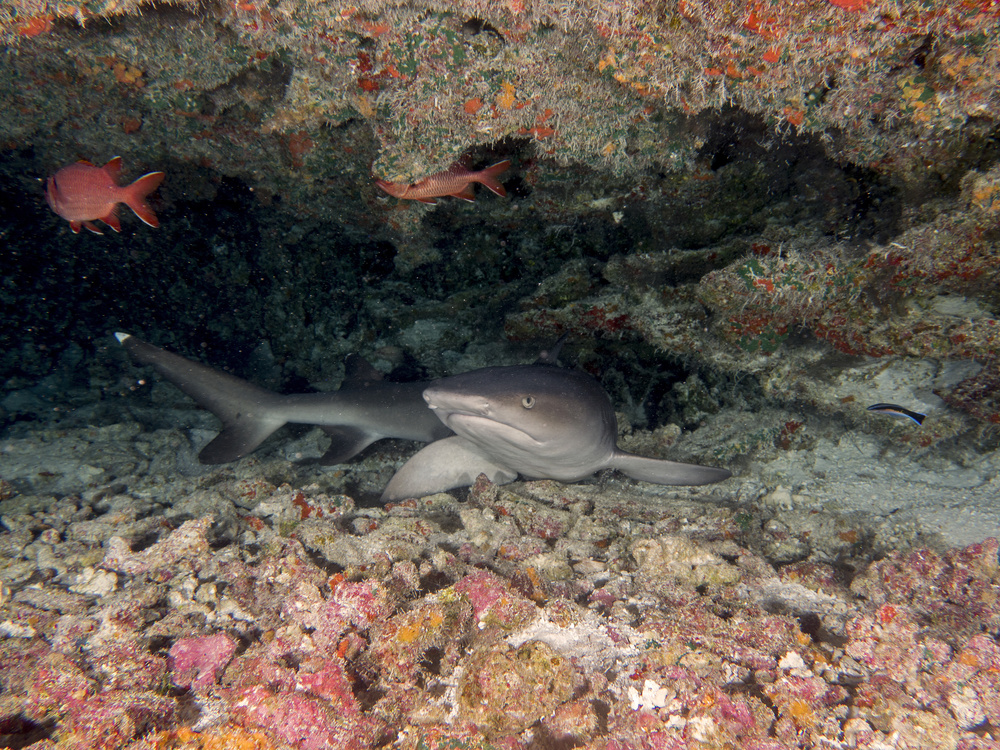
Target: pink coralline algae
<point>303,721</point>
<point>331,683</point>
<point>113,718</point>
<point>349,605</point>
<point>493,601</point>
<point>196,662</point>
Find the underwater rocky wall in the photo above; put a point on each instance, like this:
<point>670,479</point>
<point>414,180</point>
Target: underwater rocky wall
<point>245,83</point>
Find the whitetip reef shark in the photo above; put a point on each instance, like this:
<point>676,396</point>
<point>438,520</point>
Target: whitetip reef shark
<point>539,421</point>
<point>366,409</point>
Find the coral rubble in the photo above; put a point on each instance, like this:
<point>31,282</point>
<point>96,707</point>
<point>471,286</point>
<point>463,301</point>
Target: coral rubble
<point>648,633</point>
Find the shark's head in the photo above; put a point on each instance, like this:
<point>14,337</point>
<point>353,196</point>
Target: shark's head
<point>538,420</point>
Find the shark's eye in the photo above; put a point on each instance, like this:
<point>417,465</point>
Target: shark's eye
<point>528,401</point>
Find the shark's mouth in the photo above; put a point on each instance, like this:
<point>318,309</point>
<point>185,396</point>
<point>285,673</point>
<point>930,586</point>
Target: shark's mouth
<point>487,431</point>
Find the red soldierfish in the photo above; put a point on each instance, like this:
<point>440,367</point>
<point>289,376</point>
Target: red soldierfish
<point>81,193</point>
<point>455,181</point>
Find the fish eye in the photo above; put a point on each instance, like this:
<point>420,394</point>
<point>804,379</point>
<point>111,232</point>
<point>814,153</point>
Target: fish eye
<point>528,401</point>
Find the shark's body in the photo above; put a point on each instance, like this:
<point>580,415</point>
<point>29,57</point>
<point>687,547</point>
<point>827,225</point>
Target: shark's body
<point>539,421</point>
<point>354,417</point>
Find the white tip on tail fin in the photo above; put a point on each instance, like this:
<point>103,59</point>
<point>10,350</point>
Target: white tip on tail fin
<point>122,336</point>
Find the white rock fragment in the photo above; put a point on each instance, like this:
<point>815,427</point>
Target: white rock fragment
<point>652,696</point>
<point>229,607</point>
<point>779,498</point>
<point>589,643</point>
<point>10,629</point>
<point>93,582</point>
<point>965,703</point>
<point>791,660</point>
<point>702,728</point>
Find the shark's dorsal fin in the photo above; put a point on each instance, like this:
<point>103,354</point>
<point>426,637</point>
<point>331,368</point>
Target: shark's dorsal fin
<point>444,465</point>
<point>358,371</point>
<point>661,471</point>
<point>550,356</point>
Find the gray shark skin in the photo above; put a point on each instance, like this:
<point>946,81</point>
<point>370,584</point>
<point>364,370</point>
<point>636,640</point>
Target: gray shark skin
<point>354,417</point>
<point>539,421</point>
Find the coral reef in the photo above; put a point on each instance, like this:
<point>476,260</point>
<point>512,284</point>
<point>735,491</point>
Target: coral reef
<point>925,295</point>
<point>648,633</point>
<point>891,300</point>
<point>608,88</point>
<point>754,218</point>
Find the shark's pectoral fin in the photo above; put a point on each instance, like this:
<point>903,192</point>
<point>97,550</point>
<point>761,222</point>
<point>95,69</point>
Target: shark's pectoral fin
<point>238,439</point>
<point>660,471</point>
<point>444,465</point>
<point>345,443</point>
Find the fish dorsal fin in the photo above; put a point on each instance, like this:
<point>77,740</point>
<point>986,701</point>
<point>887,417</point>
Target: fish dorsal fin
<point>661,471</point>
<point>114,168</point>
<point>358,371</point>
<point>444,465</point>
<point>345,443</point>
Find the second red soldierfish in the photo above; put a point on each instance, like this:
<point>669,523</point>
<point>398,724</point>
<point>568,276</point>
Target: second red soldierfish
<point>455,181</point>
<point>82,193</point>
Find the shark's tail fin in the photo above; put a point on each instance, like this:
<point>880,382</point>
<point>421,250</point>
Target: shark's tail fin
<point>248,413</point>
<point>661,471</point>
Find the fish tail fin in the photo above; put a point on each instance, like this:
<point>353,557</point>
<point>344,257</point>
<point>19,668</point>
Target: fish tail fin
<point>488,177</point>
<point>249,414</point>
<point>661,471</point>
<point>135,197</point>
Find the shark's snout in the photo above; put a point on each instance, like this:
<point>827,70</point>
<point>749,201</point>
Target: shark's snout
<point>447,401</point>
